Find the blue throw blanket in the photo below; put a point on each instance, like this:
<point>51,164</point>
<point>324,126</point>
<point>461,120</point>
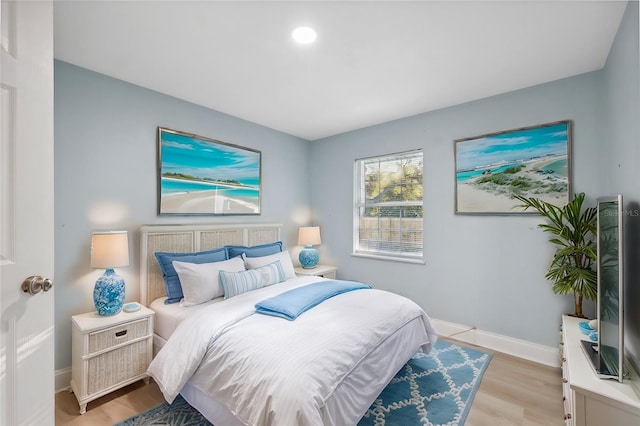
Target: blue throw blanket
<point>293,303</point>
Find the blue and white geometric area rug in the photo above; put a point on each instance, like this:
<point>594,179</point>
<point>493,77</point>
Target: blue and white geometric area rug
<point>431,389</point>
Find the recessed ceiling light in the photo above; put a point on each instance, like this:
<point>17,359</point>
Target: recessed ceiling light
<point>304,35</point>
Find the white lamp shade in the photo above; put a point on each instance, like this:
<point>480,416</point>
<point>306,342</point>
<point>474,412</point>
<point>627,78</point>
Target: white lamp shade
<point>309,236</point>
<point>109,249</point>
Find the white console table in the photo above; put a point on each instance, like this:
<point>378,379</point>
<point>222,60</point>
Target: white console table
<point>588,400</point>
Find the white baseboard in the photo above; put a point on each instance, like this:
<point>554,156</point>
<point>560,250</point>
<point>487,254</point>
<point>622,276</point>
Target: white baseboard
<point>63,379</point>
<point>541,354</point>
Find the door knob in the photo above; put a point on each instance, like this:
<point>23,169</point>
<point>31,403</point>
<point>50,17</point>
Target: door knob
<point>47,284</point>
<point>35,283</point>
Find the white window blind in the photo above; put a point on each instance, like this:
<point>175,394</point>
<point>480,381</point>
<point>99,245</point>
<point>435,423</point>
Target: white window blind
<point>388,209</point>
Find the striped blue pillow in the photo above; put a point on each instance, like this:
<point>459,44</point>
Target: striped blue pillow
<point>235,283</point>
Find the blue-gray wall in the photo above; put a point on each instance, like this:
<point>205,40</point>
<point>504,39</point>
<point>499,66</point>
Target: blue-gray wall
<point>483,271</point>
<point>105,177</point>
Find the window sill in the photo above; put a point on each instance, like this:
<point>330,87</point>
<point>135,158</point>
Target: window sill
<point>390,258</point>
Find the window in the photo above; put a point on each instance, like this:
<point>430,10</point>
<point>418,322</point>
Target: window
<point>388,206</point>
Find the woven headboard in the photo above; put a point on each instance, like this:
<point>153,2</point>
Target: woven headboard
<point>192,238</point>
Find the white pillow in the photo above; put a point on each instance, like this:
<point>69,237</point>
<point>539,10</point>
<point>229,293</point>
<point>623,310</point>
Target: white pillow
<point>283,257</point>
<point>201,281</point>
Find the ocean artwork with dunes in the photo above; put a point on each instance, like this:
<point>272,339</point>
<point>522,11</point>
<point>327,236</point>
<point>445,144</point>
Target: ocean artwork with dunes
<point>203,176</point>
<point>530,161</point>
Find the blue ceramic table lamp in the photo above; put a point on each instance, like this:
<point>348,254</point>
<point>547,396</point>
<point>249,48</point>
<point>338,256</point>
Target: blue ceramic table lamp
<point>308,236</point>
<point>109,250</point>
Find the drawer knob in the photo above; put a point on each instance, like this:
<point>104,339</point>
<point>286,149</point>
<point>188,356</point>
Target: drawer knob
<point>564,380</point>
<point>121,333</point>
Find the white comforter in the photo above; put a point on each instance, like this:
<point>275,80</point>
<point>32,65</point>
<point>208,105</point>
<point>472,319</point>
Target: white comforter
<point>268,370</point>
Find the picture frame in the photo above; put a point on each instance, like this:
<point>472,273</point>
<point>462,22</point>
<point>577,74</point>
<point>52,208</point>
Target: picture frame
<point>198,175</point>
<point>531,161</point>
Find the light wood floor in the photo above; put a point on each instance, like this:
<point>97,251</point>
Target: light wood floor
<point>513,392</point>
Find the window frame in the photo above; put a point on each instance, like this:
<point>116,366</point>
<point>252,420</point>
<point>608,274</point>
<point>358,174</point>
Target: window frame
<point>359,202</point>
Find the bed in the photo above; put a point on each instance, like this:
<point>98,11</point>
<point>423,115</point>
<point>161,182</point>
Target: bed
<point>240,367</point>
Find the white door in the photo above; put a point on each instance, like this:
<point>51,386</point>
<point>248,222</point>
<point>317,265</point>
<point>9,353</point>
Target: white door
<point>26,213</point>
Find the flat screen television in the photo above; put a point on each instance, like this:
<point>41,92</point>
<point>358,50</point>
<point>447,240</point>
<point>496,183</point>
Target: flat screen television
<point>607,354</point>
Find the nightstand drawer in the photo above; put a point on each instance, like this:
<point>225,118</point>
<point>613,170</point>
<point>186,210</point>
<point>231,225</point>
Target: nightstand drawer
<point>114,336</point>
<point>113,367</point>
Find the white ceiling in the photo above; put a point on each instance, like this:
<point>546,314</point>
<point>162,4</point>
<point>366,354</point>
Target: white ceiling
<point>372,62</point>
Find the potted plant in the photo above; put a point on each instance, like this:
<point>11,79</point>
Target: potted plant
<point>574,230</point>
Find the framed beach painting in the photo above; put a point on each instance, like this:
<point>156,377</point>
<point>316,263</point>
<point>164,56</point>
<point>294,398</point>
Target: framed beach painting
<point>530,161</point>
<point>203,176</point>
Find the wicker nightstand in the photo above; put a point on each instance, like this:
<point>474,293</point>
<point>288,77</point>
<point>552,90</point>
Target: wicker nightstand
<point>109,352</point>
<point>324,271</point>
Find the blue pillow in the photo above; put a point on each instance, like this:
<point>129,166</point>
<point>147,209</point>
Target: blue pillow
<point>171,281</point>
<point>235,283</point>
<point>254,251</point>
